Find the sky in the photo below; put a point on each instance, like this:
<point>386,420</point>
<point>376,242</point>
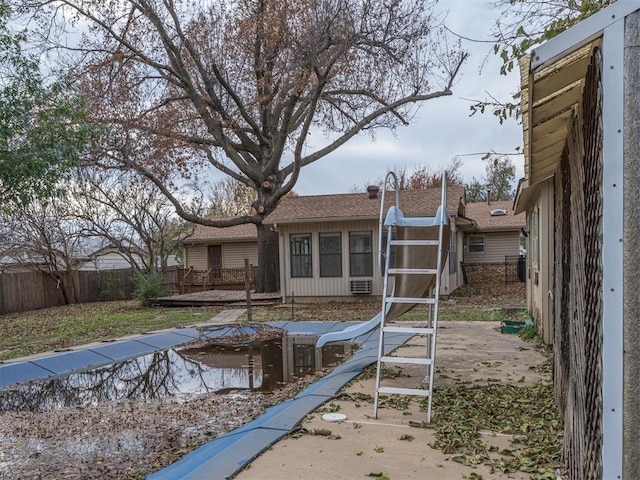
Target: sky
<point>442,129</point>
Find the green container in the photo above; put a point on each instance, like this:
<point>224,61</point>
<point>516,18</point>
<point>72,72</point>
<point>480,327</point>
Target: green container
<point>511,326</point>
<point>513,323</point>
<point>510,329</point>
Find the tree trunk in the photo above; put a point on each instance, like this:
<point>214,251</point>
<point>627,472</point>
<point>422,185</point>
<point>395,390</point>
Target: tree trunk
<point>268,278</point>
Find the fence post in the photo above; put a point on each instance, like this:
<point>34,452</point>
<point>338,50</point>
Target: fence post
<point>247,285</point>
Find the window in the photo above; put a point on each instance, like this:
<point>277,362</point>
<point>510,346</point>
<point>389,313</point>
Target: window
<point>301,255</point>
<point>360,254</point>
<point>476,243</point>
<point>330,254</point>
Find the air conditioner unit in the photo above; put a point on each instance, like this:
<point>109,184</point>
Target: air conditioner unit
<point>360,286</point>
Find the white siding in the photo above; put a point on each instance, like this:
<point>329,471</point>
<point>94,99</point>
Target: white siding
<point>317,286</point>
<point>233,254</point>
<point>496,246</point>
<point>540,278</point>
<point>195,256</point>
<point>110,261</point>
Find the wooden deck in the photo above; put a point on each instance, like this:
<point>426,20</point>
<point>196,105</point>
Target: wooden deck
<point>218,297</point>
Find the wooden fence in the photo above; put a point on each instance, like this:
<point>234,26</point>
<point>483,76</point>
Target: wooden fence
<point>22,291</point>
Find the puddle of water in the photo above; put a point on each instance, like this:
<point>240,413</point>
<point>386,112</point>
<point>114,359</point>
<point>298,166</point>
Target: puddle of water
<point>263,364</point>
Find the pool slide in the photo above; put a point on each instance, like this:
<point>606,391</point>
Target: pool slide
<point>410,286</point>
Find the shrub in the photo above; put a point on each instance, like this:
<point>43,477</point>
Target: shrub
<point>111,290</point>
<point>148,286</point>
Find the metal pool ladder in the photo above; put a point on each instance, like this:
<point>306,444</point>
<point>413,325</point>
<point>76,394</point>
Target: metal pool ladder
<point>395,219</point>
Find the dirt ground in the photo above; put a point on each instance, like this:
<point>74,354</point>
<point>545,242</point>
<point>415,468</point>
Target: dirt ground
<point>361,446</point>
<point>126,440</point>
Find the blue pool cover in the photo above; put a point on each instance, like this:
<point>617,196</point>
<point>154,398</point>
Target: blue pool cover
<point>226,455</point>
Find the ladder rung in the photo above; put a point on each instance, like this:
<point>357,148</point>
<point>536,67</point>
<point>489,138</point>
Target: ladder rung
<point>414,242</point>
<point>404,391</point>
<point>416,330</point>
<point>431,301</point>
<point>416,271</point>
<point>414,360</point>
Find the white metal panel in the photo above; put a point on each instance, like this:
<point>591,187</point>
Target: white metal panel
<point>612,246</point>
<point>582,33</point>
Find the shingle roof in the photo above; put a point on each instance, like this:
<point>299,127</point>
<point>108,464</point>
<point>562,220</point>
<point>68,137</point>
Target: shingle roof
<point>236,233</point>
<point>480,212</point>
<point>359,206</point>
<point>333,208</point>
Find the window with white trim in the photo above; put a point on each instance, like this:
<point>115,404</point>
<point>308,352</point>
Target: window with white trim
<point>476,243</point>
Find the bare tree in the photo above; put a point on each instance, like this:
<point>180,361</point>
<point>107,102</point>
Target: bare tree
<point>420,177</point>
<point>44,236</point>
<point>230,198</point>
<point>131,214</point>
<point>246,86</point>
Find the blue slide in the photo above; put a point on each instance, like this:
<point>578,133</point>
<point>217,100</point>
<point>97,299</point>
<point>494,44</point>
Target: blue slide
<point>350,332</point>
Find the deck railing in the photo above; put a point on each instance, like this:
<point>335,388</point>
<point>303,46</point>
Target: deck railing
<point>191,280</point>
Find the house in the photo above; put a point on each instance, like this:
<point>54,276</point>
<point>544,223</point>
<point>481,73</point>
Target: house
<point>329,243</point>
<point>215,256</point>
<point>581,116</point>
<point>492,247</point>
<point>111,258</point>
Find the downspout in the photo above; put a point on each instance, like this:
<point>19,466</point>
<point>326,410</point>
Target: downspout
<point>631,295</point>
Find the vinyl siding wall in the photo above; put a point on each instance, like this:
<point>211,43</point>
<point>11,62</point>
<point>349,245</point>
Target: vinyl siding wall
<point>233,255</point>
<point>315,286</point>
<point>195,256</point>
<point>496,246</point>
<point>110,261</point>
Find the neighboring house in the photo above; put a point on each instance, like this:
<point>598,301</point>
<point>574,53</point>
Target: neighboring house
<point>492,247</point>
<point>110,258</point>
<point>329,243</point>
<point>581,113</point>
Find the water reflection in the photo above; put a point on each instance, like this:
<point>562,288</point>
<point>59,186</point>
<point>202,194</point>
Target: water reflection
<point>256,364</point>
